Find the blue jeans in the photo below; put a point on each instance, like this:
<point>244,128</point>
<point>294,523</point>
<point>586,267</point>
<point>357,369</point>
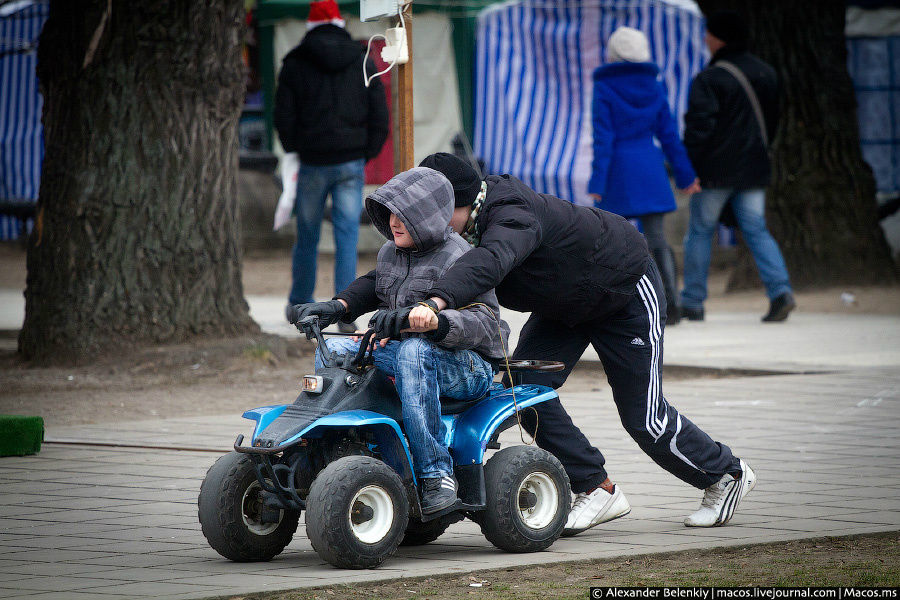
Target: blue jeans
<point>344,182</point>
<point>423,372</point>
<point>750,213</point>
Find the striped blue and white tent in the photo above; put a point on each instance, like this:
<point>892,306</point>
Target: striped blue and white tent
<point>534,61</point>
<point>21,135</point>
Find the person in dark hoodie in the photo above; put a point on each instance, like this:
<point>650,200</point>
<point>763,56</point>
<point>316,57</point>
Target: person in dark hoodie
<point>586,277</point>
<point>452,353</point>
<point>628,177</point>
<point>732,116</point>
<point>325,113</point>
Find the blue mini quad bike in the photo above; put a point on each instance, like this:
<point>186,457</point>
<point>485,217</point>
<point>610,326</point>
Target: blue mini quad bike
<point>339,452</point>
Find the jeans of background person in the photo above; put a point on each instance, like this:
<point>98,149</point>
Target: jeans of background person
<point>662,253</point>
<point>423,372</point>
<point>749,208</point>
<point>344,182</point>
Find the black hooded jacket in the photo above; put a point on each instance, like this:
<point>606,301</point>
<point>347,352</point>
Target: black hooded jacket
<point>323,110</point>
<point>543,255</point>
<point>721,132</point>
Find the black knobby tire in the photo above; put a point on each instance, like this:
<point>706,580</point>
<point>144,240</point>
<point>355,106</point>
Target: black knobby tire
<point>356,483</point>
<point>228,511</point>
<point>515,478</point>
<point>419,533</point>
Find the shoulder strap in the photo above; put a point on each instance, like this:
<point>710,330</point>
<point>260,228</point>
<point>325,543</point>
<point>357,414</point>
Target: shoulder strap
<point>751,95</point>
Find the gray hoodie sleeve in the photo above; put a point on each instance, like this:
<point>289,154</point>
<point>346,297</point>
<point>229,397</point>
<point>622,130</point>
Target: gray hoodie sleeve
<point>474,328</point>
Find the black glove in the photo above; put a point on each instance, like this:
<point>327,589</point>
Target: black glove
<point>328,312</point>
<point>388,323</point>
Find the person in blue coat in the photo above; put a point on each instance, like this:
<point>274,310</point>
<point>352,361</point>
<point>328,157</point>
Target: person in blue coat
<point>628,175</point>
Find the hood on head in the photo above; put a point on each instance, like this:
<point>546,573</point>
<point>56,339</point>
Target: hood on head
<point>636,85</point>
<point>423,200</point>
<point>329,47</point>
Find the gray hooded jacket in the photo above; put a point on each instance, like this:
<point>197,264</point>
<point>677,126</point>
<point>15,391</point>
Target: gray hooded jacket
<point>422,199</point>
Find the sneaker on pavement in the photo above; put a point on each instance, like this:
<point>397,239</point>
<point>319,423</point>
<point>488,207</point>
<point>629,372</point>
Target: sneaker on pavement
<point>591,509</point>
<point>721,499</point>
<point>438,493</point>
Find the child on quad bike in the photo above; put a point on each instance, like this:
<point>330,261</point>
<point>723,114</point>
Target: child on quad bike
<point>430,354</point>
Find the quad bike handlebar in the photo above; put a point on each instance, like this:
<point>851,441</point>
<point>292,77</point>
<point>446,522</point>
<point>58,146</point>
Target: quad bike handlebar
<point>310,326</point>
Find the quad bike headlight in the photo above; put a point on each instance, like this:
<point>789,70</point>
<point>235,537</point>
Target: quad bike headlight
<point>313,384</point>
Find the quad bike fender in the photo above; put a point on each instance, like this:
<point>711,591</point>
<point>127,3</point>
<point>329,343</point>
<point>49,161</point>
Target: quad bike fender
<point>475,427</point>
<point>388,435</point>
<point>391,442</point>
<point>263,416</point>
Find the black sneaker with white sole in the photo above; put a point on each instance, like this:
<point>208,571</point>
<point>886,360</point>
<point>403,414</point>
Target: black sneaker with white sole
<point>438,493</point>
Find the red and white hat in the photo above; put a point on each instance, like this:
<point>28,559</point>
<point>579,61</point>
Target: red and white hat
<point>323,13</point>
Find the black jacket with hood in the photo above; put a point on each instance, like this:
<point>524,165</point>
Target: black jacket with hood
<point>721,132</point>
<point>543,255</point>
<point>323,110</point>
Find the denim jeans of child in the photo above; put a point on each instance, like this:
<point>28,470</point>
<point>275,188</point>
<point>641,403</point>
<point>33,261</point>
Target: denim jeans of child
<point>423,372</point>
<point>344,182</point>
<point>749,208</point>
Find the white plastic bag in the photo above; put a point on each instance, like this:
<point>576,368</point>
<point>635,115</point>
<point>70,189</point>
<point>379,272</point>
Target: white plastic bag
<point>290,166</point>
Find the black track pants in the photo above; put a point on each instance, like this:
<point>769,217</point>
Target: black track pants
<point>630,346</point>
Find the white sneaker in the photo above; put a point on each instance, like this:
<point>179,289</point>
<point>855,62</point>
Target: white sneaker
<point>594,508</point>
<point>722,498</point>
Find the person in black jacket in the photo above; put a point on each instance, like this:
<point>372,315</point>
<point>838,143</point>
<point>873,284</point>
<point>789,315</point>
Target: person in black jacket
<point>726,132</point>
<point>586,277</point>
<point>325,113</point>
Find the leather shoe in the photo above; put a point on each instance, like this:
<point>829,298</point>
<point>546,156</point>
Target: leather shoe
<point>692,314</point>
<point>780,308</point>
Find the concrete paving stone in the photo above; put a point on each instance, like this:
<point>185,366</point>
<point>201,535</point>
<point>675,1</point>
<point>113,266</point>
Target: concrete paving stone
<point>57,583</point>
<point>46,542</point>
<point>60,555</point>
<point>67,595</point>
<point>14,594</point>
<point>36,569</point>
<point>144,589</point>
<point>247,581</point>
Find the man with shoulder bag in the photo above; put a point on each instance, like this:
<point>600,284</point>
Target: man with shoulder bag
<point>732,116</point>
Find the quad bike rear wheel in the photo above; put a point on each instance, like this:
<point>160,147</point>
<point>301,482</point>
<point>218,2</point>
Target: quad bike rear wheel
<point>356,512</point>
<point>229,508</point>
<point>527,499</point>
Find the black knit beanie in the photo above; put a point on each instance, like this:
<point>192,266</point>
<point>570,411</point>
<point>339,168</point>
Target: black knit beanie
<point>465,180</point>
<point>728,26</point>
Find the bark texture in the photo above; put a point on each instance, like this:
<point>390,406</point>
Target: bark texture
<point>821,205</point>
<point>137,234</point>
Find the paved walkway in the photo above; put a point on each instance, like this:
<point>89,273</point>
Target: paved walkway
<point>103,522</point>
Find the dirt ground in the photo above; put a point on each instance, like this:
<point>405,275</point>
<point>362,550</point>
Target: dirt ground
<point>224,376</point>
<point>870,560</point>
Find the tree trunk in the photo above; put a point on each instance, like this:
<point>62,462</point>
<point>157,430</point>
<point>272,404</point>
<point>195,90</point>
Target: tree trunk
<point>137,235</point>
<point>821,205</point>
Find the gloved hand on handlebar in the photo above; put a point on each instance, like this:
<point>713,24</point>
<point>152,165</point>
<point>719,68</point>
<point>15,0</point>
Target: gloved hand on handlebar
<point>387,323</point>
<point>328,312</point>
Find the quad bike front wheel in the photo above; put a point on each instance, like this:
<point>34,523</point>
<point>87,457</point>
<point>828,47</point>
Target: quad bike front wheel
<point>229,508</point>
<point>356,512</point>
<point>527,499</point>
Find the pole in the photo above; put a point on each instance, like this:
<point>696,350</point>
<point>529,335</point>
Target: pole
<point>404,157</point>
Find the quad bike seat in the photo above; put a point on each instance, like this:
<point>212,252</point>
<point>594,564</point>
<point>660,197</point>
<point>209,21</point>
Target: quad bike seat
<point>452,406</point>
